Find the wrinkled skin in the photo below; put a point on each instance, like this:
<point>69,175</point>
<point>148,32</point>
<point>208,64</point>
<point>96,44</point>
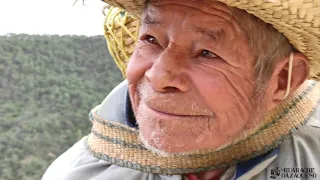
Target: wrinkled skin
<point>191,77</point>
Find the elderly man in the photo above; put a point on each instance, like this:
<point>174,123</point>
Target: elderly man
<point>213,91</point>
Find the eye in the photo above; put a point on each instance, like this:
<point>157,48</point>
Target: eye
<point>151,40</point>
<point>208,54</point>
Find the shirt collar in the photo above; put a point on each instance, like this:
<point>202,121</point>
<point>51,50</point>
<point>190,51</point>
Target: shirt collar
<point>245,167</point>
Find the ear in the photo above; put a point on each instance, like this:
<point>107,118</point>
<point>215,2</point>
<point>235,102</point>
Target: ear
<point>300,72</point>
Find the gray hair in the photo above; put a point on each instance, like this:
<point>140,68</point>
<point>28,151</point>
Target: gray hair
<point>268,45</point>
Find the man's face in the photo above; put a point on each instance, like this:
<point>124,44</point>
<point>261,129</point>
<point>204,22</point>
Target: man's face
<point>191,76</point>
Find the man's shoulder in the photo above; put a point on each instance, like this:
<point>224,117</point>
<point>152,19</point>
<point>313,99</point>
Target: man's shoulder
<point>72,164</point>
<point>301,148</point>
<point>78,163</point>
<point>298,152</point>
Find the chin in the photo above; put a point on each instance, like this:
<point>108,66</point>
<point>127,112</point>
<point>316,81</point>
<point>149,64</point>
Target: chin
<point>163,151</point>
<point>169,148</point>
<point>170,136</point>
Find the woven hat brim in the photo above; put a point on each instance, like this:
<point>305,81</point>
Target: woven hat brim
<point>298,20</point>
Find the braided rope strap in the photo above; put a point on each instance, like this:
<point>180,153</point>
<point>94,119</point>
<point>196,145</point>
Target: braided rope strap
<point>120,144</point>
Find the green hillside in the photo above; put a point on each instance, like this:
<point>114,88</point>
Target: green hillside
<point>48,84</point>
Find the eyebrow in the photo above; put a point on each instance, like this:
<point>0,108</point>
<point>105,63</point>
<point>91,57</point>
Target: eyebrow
<point>148,20</point>
<point>213,33</point>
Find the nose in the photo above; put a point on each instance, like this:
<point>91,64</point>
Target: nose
<point>167,73</point>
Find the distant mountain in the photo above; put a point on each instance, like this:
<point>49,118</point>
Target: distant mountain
<point>48,84</point>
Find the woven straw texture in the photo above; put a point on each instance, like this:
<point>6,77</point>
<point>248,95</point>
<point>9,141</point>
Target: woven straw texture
<point>120,144</point>
<point>298,20</point>
<point>121,32</point>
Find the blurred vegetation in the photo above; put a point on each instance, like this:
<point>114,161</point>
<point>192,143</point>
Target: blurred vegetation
<point>48,85</point>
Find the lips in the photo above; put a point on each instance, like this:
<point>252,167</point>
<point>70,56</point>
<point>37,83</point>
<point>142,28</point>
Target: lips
<point>168,113</point>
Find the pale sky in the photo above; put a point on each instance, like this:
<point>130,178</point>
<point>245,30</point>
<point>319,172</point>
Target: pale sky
<point>51,17</point>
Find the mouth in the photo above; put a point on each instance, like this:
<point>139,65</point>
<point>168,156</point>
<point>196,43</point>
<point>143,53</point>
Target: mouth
<point>167,115</point>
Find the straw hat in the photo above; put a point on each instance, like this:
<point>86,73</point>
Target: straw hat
<point>298,20</point>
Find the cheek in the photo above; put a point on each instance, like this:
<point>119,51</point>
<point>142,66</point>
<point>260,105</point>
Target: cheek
<point>137,67</point>
<point>228,99</point>
<point>214,90</point>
